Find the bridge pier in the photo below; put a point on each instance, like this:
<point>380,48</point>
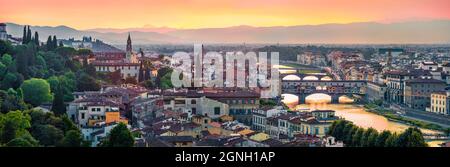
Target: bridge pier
<point>301,99</point>
<point>334,99</point>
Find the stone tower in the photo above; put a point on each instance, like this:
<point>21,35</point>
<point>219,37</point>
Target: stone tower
<point>129,47</point>
<point>130,56</point>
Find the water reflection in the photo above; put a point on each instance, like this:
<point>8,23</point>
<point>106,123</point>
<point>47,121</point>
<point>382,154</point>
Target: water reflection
<point>352,112</point>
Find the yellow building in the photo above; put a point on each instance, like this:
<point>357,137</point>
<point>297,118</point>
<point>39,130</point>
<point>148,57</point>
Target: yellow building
<point>314,127</point>
<point>440,102</point>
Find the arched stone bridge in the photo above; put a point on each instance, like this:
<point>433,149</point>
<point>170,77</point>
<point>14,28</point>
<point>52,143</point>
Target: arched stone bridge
<point>308,76</point>
<point>335,89</point>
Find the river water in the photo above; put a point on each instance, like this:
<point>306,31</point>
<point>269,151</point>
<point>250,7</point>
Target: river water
<point>351,112</point>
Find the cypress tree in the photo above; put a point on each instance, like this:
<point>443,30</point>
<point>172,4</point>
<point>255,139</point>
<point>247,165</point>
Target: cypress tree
<point>58,106</point>
<point>54,42</point>
<point>36,38</point>
<point>24,37</point>
<point>49,43</point>
<point>28,35</point>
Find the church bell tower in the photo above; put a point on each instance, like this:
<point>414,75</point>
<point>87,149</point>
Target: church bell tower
<point>129,47</point>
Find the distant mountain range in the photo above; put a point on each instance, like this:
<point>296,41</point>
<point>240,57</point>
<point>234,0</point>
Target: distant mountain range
<point>426,32</point>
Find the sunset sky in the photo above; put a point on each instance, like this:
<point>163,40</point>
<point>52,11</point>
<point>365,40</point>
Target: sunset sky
<point>86,14</point>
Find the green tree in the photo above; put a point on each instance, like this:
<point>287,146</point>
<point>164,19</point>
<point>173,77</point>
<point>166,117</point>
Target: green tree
<point>365,137</point>
<point>49,43</point>
<point>54,83</point>
<point>28,35</point>
<point>349,136</point>
<point>13,124</point>
<point>19,142</point>
<point>11,80</point>
<point>347,128</point>
<point>68,125</point>
<point>90,70</point>
<point>11,100</point>
<point>72,138</point>
<point>3,70</point>
<point>338,131</point>
<point>58,106</point>
<point>22,60</point>
<point>7,60</point>
<point>411,137</point>
<point>331,128</point>
<point>6,47</point>
<point>119,136</point>
<point>54,42</point>
<point>36,91</point>
<point>371,140</point>
<point>47,135</point>
<point>166,82</point>
<point>66,52</point>
<point>8,132</point>
<point>163,79</point>
<point>381,139</point>
<point>391,141</point>
<point>24,36</point>
<point>356,140</point>
<point>87,83</point>
<point>36,38</point>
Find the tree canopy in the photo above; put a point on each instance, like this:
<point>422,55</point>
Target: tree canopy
<point>36,91</point>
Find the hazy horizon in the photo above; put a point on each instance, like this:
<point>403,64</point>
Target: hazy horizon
<point>412,32</point>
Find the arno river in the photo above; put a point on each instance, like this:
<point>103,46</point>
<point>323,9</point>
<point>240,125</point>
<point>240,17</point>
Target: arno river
<point>351,112</point>
<point>354,113</point>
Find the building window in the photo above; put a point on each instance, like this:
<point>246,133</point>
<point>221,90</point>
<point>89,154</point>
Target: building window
<point>82,115</point>
<point>194,111</point>
<point>193,102</point>
<point>216,110</point>
<point>92,109</point>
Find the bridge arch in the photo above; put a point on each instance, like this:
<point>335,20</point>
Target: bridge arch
<point>346,99</point>
<point>318,98</point>
<point>290,100</point>
<point>291,77</point>
<point>326,78</point>
<point>310,78</point>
